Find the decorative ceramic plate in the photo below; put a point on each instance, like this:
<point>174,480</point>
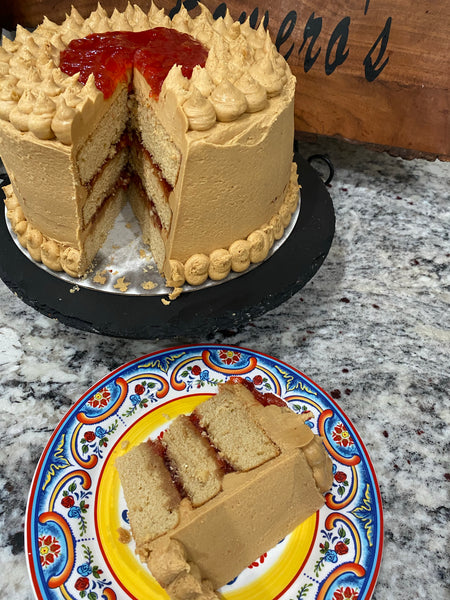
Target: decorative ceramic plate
<point>76,504</point>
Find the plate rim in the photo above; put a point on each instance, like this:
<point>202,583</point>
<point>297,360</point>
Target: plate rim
<point>375,567</point>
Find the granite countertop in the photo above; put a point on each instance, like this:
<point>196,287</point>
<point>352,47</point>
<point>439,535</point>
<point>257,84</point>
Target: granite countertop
<point>371,328</point>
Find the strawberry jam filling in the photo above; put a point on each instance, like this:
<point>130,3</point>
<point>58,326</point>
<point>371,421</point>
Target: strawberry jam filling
<point>111,56</point>
<point>265,399</point>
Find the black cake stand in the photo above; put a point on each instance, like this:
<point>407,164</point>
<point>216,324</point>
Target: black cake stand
<point>221,307</point>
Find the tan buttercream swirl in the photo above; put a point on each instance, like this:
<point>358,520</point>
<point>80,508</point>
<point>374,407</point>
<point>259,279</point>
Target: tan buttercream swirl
<point>119,22</point>
<point>181,21</point>
<point>277,226</point>
<point>205,15</point>
<point>175,278</point>
<point>34,241</point>
<point>22,35</point>
<point>40,119</point>
<point>268,230</point>
<point>31,46</point>
<point>234,31</point>
<point>228,19</point>
<point>246,29</point>
<point>4,56</point>
<point>203,34</point>
<point>137,17</point>
<point>272,80</point>
<point>19,67</point>
<point>168,561</point>
<point>50,255</point>
<point>218,59</point>
<point>9,45</point>
<point>285,214</point>
<point>62,121</point>
<point>15,215</point>
<point>219,264</point>
<point>240,255</point>
<point>71,96</point>
<point>259,246</point>
<point>10,199</point>
<point>292,195</point>
<point>220,27</point>
<point>74,18</point>
<point>22,57</point>
<point>196,269</point>
<point>29,80</point>
<point>199,111</point>
<point>70,261</point>
<point>177,83</point>
<point>201,79</point>
<point>255,37</point>
<point>229,102</point>
<point>103,25</point>
<point>50,51</point>
<point>4,69</point>
<point>158,18</point>
<point>72,33</point>
<point>55,46</point>
<point>254,92</point>
<point>48,26</point>
<point>98,20</point>
<point>45,67</point>
<point>202,26</point>
<point>317,459</point>
<point>21,230</point>
<point>187,587</point>
<point>9,96</point>
<point>49,87</point>
<point>19,115</point>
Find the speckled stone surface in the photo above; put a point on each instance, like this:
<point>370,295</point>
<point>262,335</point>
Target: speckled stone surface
<point>371,328</point>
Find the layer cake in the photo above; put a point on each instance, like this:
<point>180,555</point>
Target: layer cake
<point>189,119</point>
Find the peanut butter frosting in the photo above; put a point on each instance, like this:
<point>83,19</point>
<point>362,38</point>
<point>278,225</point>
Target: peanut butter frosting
<point>232,112</point>
<point>33,58</point>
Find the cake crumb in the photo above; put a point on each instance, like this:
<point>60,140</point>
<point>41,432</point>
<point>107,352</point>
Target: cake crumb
<point>124,445</point>
<point>124,535</point>
<point>165,301</point>
<point>148,285</point>
<point>75,288</point>
<point>100,277</point>
<point>128,225</point>
<point>176,292</point>
<point>122,285</point>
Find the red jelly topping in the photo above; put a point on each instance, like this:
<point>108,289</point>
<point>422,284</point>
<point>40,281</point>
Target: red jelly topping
<point>110,57</point>
<point>264,399</point>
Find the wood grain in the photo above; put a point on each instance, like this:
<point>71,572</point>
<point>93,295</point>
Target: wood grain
<point>402,102</point>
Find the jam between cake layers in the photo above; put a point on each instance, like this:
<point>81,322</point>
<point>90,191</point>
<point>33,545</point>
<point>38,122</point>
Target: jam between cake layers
<point>190,120</point>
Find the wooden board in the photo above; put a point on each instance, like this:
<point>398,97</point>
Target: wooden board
<point>372,71</point>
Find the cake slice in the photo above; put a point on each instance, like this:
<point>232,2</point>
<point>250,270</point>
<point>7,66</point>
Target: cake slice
<point>247,471</point>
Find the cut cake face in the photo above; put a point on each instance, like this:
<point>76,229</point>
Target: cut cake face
<point>244,472</point>
<point>201,147</point>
